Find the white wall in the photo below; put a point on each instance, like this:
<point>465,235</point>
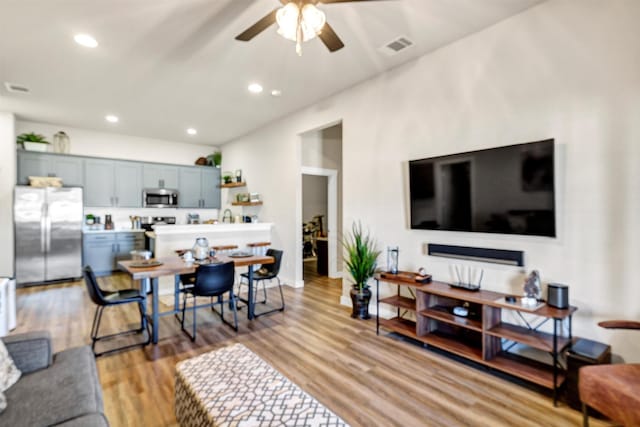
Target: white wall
<point>566,70</point>
<point>7,182</point>
<point>101,144</point>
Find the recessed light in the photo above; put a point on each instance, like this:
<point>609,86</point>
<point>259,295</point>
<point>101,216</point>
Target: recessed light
<point>254,88</point>
<point>111,118</point>
<point>276,92</point>
<point>85,40</point>
<point>192,131</point>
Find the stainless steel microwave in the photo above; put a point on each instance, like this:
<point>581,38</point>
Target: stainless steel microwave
<point>159,198</point>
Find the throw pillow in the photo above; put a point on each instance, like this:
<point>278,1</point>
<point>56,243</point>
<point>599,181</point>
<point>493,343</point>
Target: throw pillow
<point>3,402</point>
<point>9,373</point>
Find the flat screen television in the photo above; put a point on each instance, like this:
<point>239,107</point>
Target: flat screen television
<point>507,190</point>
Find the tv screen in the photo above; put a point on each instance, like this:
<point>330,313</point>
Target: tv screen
<point>508,190</point>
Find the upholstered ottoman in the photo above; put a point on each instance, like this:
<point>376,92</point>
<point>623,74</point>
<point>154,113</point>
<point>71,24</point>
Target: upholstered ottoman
<point>232,386</point>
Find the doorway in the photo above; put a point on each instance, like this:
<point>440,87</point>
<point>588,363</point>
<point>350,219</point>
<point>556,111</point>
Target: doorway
<point>319,218</point>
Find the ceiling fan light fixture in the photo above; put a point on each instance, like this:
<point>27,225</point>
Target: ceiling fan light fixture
<point>311,22</point>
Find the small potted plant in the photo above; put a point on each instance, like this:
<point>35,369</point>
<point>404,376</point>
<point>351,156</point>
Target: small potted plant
<point>361,260</point>
<point>215,159</point>
<point>227,177</point>
<point>32,141</point>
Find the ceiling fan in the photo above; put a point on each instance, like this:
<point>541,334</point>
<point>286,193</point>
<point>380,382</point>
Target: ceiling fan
<point>299,21</point>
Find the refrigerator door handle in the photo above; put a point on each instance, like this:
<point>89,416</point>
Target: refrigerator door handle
<point>47,228</point>
<point>43,228</point>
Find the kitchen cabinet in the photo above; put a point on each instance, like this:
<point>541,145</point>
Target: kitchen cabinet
<point>199,187</point>
<point>46,164</point>
<point>102,251</point>
<point>111,183</point>
<point>159,176</point>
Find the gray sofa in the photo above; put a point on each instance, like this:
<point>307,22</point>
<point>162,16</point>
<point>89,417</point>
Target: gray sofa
<point>54,389</point>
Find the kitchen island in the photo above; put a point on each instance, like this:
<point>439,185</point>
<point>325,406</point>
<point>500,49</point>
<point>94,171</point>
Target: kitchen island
<point>166,239</point>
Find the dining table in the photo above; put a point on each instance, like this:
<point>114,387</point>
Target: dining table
<point>175,266</point>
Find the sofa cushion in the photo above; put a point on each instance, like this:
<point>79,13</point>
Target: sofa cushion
<point>68,389</point>
<point>89,420</point>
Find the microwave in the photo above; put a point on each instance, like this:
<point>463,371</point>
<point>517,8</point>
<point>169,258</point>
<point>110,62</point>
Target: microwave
<point>159,198</point>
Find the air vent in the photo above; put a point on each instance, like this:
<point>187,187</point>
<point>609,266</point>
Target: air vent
<point>396,45</point>
<point>16,88</point>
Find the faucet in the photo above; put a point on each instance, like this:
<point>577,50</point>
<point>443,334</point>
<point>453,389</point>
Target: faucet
<point>227,216</point>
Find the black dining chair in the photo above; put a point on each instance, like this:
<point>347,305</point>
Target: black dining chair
<point>103,298</point>
<point>267,272</point>
<point>212,280</point>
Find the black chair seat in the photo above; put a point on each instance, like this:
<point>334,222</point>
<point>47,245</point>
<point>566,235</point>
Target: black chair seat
<point>103,299</point>
<point>267,272</point>
<point>123,296</point>
<point>211,280</point>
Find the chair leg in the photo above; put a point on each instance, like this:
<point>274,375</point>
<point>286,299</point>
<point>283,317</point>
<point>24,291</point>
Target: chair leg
<point>95,337</point>
<point>281,293</point>
<point>264,291</point>
<point>184,309</point>
<point>144,324</point>
<point>585,415</point>
<point>193,337</point>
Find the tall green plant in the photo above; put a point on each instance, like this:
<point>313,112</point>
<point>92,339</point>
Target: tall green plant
<point>362,255</point>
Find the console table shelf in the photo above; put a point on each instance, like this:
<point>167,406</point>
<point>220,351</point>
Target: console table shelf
<point>482,337</point>
<point>398,324</point>
<point>400,301</point>
<point>443,316</point>
<point>536,339</point>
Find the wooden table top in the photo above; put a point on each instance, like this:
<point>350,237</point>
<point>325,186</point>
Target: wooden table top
<point>172,265</point>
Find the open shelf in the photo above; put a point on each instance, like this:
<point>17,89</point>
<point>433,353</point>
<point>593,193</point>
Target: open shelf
<point>452,345</point>
<point>402,302</point>
<point>527,369</point>
<point>233,185</point>
<point>403,326</point>
<point>246,203</point>
<point>536,339</point>
<point>440,314</point>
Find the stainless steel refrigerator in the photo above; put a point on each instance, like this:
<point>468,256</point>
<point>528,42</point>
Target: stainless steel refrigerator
<point>48,233</point>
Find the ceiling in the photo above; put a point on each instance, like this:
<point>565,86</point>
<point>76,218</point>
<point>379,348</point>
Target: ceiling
<point>163,66</point>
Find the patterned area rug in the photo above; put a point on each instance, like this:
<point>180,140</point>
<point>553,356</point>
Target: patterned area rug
<point>233,386</point>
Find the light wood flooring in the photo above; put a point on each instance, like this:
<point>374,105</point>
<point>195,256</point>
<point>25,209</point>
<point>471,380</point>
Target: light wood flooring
<point>367,380</point>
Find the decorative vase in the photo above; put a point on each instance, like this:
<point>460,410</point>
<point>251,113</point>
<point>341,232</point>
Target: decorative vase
<point>360,302</point>
<point>61,143</point>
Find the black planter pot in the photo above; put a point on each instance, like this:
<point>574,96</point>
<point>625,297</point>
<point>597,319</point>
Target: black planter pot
<point>360,302</point>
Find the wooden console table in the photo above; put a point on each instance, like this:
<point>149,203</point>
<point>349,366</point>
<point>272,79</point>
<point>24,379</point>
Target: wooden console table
<point>482,336</point>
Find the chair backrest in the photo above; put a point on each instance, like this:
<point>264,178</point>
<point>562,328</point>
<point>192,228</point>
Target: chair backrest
<point>274,268</point>
<point>214,279</point>
<point>95,293</point>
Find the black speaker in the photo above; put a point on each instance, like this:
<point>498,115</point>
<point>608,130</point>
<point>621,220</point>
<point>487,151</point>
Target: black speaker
<point>558,295</point>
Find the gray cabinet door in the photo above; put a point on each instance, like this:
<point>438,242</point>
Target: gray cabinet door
<point>30,164</point>
<point>69,168</point>
<point>190,188</point>
<point>128,184</point>
<point>125,243</point>
<point>210,185</point>
<point>159,176</point>
<point>99,183</point>
<point>98,252</point>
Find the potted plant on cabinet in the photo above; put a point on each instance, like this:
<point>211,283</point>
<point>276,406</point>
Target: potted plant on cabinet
<point>361,260</point>
<point>32,141</point>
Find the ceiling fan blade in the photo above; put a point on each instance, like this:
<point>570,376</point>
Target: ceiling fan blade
<point>344,1</point>
<point>258,27</point>
<point>330,38</point>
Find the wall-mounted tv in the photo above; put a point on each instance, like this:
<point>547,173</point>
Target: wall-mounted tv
<point>508,190</point>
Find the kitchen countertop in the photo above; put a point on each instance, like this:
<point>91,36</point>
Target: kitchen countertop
<point>162,229</point>
<point>118,230</point>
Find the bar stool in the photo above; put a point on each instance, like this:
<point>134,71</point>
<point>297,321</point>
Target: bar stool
<point>258,248</point>
<point>224,249</point>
